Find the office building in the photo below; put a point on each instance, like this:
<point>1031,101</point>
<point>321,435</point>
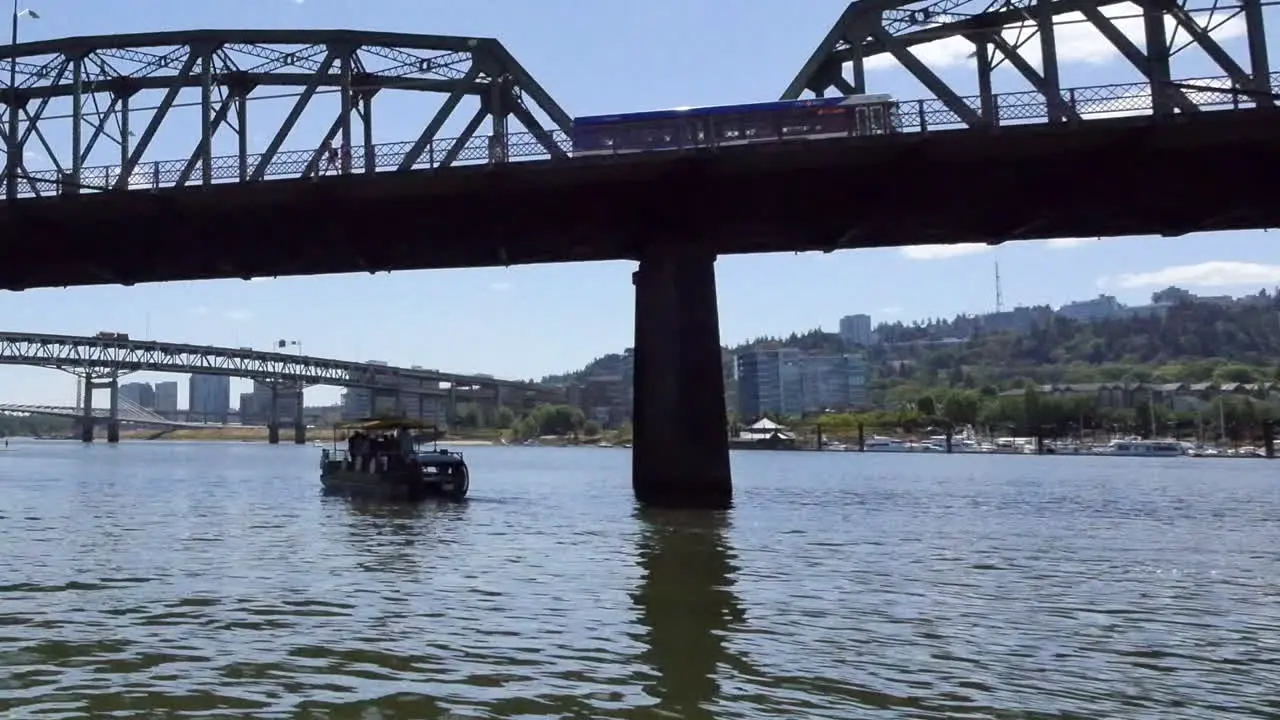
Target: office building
<point>769,382</point>
<point>166,399</point>
<point>255,407</point>
<point>855,330</point>
<point>208,398</point>
<point>139,393</point>
<point>250,413</point>
<point>786,382</point>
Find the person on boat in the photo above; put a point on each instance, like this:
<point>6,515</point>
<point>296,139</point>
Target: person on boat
<point>360,450</point>
<point>353,449</point>
<point>405,440</point>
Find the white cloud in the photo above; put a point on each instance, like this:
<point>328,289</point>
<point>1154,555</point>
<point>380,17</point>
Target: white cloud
<point>237,315</point>
<point>942,252</point>
<point>1212,274</point>
<point>891,310</point>
<point>1078,41</point>
<point>500,286</point>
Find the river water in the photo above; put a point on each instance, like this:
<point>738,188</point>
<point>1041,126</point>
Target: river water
<point>191,580</point>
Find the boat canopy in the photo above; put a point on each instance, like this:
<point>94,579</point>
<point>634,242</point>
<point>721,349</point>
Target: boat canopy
<point>385,423</point>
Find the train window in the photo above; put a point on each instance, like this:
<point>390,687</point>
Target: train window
<point>861,125</point>
<point>696,131</point>
<point>726,128</point>
<point>831,121</point>
<point>877,119</point>
<point>758,127</point>
<point>795,124</point>
<point>592,138</point>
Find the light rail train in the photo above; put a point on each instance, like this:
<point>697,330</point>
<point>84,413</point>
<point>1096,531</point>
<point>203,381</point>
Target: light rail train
<point>721,125</point>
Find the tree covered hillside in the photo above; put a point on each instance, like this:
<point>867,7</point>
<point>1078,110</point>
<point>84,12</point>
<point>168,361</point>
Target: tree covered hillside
<point>1191,342</point>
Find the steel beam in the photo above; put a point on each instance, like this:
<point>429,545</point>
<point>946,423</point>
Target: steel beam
<point>428,135</point>
<point>100,357</point>
<point>259,170</point>
<point>1164,98</point>
<point>460,143</point>
<point>927,77</point>
<point>868,28</point>
<point>202,155</point>
<point>1260,64</point>
<point>248,65</point>
<point>126,172</point>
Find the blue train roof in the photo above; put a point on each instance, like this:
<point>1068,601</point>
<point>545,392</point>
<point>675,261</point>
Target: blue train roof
<point>773,106</point>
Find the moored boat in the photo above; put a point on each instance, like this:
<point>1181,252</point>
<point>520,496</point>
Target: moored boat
<point>389,459</point>
<point>1137,447</point>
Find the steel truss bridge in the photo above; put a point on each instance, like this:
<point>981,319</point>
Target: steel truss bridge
<point>127,412</point>
<point>258,104</point>
<point>101,357</point>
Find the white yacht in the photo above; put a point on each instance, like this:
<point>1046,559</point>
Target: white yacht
<point>878,443</point>
<point>1135,447</point>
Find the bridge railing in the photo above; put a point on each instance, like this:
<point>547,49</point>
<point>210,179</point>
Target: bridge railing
<point>1011,108</point>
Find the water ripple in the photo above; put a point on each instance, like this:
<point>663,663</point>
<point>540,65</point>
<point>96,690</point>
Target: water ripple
<point>179,579</point>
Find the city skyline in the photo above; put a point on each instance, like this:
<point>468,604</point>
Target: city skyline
<point>330,396</point>
<point>511,322</point>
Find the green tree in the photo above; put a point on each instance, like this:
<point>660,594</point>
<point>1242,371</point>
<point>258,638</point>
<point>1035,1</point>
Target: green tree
<point>927,406</point>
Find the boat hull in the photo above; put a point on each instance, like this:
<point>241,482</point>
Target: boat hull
<point>403,486</point>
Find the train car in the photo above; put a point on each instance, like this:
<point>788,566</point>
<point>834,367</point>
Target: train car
<point>721,125</point>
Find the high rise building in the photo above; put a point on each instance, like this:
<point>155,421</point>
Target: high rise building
<point>166,398</point>
<point>855,330</point>
<point>260,404</point>
<point>139,393</point>
<point>209,398</point>
<point>249,411</point>
<point>769,382</point>
<point>784,381</point>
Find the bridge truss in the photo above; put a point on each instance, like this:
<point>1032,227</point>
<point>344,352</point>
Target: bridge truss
<point>1011,61</point>
<point>101,357</point>
<point>99,113</point>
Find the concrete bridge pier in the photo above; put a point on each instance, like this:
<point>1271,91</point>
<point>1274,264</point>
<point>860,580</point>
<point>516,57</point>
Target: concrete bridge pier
<point>299,422</point>
<point>87,419</point>
<point>273,418</point>
<point>113,419</point>
<point>680,452</point>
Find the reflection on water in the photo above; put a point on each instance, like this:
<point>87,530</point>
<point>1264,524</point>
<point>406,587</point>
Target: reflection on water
<point>686,605</point>
<point>189,580</point>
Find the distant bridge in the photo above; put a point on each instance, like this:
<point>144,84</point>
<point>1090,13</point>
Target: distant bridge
<point>102,357</point>
<point>127,412</point>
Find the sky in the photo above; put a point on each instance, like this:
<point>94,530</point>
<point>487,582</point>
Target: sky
<point>604,56</point>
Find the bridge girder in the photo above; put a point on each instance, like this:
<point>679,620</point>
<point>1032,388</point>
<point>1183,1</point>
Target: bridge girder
<point>99,113</point>
<point>104,357</point>
<point>1039,43</point>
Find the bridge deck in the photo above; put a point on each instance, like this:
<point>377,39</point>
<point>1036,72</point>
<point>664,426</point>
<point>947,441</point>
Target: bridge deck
<point>1123,176</point>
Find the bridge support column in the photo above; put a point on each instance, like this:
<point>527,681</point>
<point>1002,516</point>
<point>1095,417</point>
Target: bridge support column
<point>680,452</point>
<point>299,422</point>
<point>113,420</point>
<point>273,417</point>
<point>87,419</point>
<point>451,408</point>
